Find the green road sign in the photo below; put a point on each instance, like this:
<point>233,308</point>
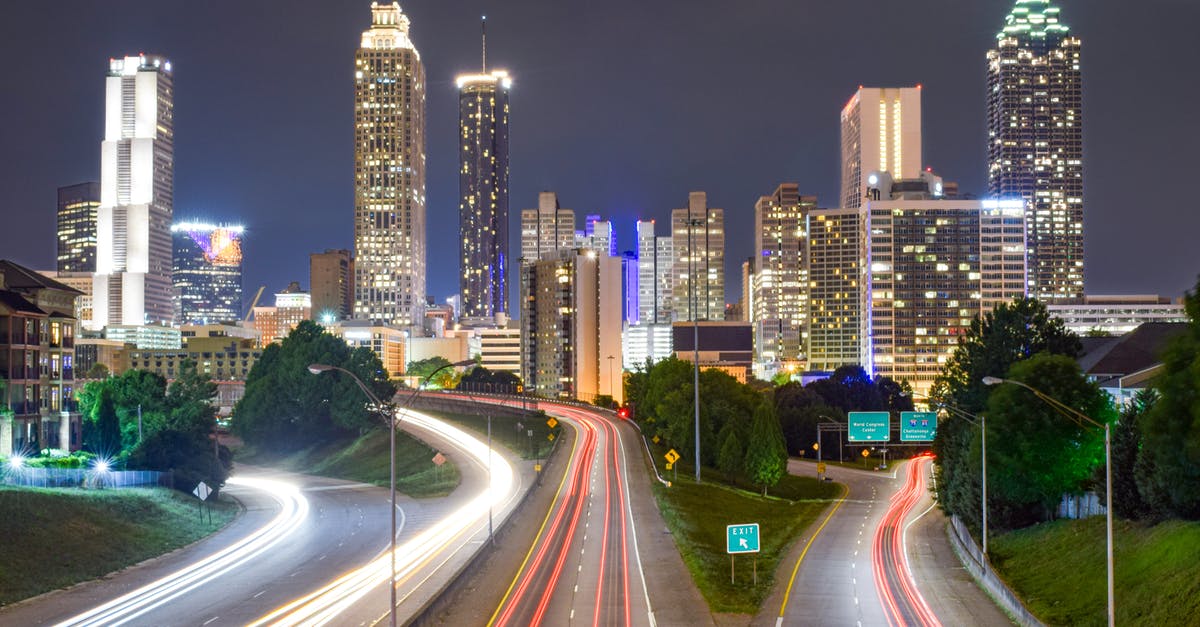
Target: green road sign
<point>870,426</point>
<point>917,426</point>
<point>741,538</point>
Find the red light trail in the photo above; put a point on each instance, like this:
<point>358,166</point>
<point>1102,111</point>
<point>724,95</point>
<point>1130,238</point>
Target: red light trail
<point>903,604</point>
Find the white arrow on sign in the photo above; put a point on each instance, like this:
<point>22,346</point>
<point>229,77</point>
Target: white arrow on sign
<point>742,541</point>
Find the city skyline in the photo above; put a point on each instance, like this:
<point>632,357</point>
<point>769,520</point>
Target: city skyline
<point>303,218</point>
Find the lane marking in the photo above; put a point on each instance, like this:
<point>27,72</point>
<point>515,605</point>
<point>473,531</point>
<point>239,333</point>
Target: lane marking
<point>787,593</point>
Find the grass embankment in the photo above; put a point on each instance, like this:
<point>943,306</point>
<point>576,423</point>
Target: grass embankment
<point>1058,569</point>
<point>698,514</point>
<point>365,459</point>
<point>506,433</point>
<point>53,538</point>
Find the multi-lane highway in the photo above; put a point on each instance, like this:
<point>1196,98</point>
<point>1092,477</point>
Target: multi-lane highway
<point>308,550</point>
<point>585,564</point>
<point>879,556</point>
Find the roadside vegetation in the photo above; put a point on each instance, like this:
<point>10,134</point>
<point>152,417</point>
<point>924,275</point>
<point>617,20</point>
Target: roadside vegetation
<point>1058,569</point>
<point>505,432</point>
<point>365,459</point>
<point>697,515</point>
<point>54,538</point>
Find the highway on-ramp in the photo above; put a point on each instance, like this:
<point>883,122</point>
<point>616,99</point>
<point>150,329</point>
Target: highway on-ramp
<point>299,535</point>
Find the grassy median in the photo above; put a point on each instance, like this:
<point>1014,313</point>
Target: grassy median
<point>1058,569</point>
<point>365,459</point>
<point>697,515</point>
<point>53,538</point>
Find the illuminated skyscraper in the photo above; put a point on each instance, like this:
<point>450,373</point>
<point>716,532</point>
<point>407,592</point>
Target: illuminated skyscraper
<point>331,282</point>
<point>779,300</point>
<point>483,191</point>
<point>389,172</point>
<point>77,208</point>
<point>881,132</point>
<point>547,229</point>
<point>132,284</point>
<point>208,272</point>
<point>698,234</point>
<point>1035,141</point>
<point>834,282</point>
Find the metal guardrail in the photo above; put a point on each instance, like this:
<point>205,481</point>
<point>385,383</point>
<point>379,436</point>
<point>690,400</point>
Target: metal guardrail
<point>81,478</point>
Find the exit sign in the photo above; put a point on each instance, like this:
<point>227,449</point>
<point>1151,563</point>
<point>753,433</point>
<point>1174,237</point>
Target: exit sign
<point>741,538</point>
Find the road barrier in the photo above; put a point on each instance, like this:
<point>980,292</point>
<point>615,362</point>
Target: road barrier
<point>976,563</point>
<point>82,478</point>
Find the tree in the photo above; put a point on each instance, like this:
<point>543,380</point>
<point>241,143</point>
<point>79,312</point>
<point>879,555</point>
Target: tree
<point>994,342</point>
<point>481,379</point>
<point>102,432</point>
<point>425,367</point>
<point>766,457</point>
<point>97,371</point>
<point>1036,454</point>
<point>729,461</point>
<point>1169,462</point>
<point>286,407</point>
<point>1126,441</point>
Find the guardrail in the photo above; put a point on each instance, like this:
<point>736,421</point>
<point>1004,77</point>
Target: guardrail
<point>82,478</point>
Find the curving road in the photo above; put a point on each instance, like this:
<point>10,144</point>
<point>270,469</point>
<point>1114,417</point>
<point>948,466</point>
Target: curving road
<point>300,533</point>
<point>585,563</point>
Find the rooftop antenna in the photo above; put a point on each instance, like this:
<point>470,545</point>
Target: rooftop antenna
<point>483,27</point>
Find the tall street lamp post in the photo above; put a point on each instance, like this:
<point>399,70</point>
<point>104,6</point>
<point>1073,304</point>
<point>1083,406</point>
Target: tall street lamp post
<point>1071,412</point>
<point>390,410</point>
<point>695,332</point>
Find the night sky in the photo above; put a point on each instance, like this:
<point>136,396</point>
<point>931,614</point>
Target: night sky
<point>622,107</point>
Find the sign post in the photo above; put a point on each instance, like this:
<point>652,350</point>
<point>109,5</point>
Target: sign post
<point>918,426</point>
<point>870,426</point>
<point>742,538</point>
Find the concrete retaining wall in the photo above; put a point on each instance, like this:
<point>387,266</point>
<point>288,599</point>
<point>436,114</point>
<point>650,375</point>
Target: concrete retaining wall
<point>973,559</point>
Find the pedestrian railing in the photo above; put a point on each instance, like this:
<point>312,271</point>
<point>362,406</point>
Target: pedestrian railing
<point>81,478</point>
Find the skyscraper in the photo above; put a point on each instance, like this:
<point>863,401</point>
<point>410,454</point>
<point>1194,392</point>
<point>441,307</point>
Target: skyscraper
<point>331,282</point>
<point>932,265</point>
<point>699,247</point>
<point>77,208</point>
<point>1035,141</point>
<point>483,191</point>
<point>597,235</point>
<point>389,172</point>
<point>132,284</point>
<point>780,297</point>
<point>547,229</point>
<point>881,132</point>
<point>834,282</point>
<point>207,272</point>
<point>656,263</point>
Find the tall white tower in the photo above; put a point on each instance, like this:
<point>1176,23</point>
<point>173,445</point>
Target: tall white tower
<point>132,284</point>
<point>389,172</point>
<point>881,132</point>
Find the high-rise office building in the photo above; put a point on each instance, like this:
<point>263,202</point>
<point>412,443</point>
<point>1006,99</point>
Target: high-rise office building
<point>77,208</point>
<point>571,325</point>
<point>881,132</point>
<point>629,286</point>
<point>483,191</point>
<point>389,172</point>
<point>699,246</point>
<point>656,267</point>
<point>331,283</point>
<point>932,265</point>
<point>1035,141</point>
<point>292,306</point>
<point>132,284</point>
<point>779,300</point>
<point>834,281</point>
<point>597,235</point>
<point>207,272</point>
<point>547,229</point>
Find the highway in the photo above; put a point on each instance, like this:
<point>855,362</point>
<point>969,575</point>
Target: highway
<point>317,540</point>
<point>585,564</point>
<point>878,556</point>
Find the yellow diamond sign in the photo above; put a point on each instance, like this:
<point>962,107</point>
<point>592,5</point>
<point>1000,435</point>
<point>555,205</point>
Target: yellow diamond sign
<point>550,437</point>
<point>655,439</point>
<point>552,422</point>
<point>672,456</point>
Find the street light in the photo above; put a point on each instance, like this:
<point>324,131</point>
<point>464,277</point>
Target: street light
<point>691,252</point>
<point>390,410</point>
<point>611,392</point>
<point>1071,412</point>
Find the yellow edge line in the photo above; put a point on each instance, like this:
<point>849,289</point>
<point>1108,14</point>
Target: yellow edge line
<point>541,530</point>
<point>795,569</point>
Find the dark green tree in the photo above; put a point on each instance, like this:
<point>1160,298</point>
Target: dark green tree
<point>425,367</point>
<point>1126,441</point>
<point>105,432</point>
<point>732,454</point>
<point>766,457</point>
<point>481,379</point>
<point>1035,453</point>
<point>993,343</point>
<point>1169,464</point>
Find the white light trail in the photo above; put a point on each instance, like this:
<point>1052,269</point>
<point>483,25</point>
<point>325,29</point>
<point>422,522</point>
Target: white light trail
<point>324,605</point>
<point>293,511</point>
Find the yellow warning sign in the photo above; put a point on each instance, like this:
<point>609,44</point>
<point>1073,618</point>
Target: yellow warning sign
<point>672,456</point>
<point>552,422</point>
